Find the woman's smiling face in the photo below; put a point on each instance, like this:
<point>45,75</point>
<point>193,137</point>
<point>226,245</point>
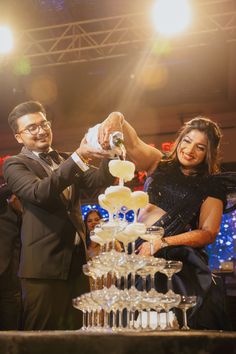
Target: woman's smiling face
<point>192,149</point>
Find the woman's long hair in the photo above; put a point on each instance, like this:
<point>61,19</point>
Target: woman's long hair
<point>211,163</point>
<point>87,215</point>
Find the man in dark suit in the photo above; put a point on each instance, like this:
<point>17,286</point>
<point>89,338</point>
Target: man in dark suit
<point>10,297</point>
<point>52,233</point>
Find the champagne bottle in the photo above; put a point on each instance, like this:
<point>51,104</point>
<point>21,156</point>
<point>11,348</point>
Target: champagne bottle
<point>116,141</point>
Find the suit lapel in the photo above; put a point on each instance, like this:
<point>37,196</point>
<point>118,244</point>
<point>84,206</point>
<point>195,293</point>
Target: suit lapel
<point>42,169</point>
<point>39,164</point>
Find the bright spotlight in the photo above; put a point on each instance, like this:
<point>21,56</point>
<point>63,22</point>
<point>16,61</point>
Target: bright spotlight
<point>171,16</point>
<point>6,40</point>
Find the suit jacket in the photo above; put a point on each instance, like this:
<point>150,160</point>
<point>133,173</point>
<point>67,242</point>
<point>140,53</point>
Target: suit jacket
<point>5,193</point>
<point>49,222</point>
<point>9,236</point>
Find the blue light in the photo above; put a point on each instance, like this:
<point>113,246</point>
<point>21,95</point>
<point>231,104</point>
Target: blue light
<point>129,216</point>
<point>223,248</point>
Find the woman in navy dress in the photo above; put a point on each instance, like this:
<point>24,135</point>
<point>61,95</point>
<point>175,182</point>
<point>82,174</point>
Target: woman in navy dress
<point>188,196</point>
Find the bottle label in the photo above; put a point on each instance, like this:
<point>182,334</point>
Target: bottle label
<point>116,139</point>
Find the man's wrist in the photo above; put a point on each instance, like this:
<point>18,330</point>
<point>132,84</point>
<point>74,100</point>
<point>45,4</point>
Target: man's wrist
<point>80,161</point>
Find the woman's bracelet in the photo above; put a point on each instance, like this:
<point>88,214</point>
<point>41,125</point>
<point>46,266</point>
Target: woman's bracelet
<point>163,243</point>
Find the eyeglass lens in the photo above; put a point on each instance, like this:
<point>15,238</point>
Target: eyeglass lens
<point>34,128</point>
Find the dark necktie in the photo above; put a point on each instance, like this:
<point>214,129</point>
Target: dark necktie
<point>50,156</point>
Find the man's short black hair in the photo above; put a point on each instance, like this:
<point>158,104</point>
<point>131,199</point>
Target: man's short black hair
<point>21,110</point>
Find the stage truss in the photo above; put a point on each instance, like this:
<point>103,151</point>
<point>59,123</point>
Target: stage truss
<point>117,36</point>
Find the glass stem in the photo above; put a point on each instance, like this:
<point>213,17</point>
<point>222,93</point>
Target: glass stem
<point>185,318</point>
<point>110,216</point>
<point>84,320</point>
<point>169,283</point>
<point>133,247</point>
<point>151,248</point>
<point>152,281</point>
<point>126,281</point>
<point>158,320</point>
<point>131,280</point>
<point>114,320</point>
<point>120,325</point>
<point>168,319</point>
<point>140,319</point>
<point>144,283</point>
<point>148,319</point>
<point>121,182</point>
<point>92,319</point>
<point>113,243</point>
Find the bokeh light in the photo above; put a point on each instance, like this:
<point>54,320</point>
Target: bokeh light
<point>43,88</point>
<point>171,17</point>
<point>22,67</point>
<point>153,75</point>
<point>223,249</point>
<point>162,47</point>
<point>6,40</point>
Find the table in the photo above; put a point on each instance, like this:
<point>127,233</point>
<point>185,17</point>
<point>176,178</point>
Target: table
<point>78,342</point>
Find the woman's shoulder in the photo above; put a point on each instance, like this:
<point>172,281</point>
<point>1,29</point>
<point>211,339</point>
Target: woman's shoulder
<point>215,186</point>
<point>225,181</point>
<point>167,167</point>
<point>223,185</point>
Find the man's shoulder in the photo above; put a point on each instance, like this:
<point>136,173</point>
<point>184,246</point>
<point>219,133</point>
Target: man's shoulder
<point>15,158</point>
<point>19,159</point>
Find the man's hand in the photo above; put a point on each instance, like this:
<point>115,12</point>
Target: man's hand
<point>15,203</point>
<point>87,152</point>
<point>114,122</point>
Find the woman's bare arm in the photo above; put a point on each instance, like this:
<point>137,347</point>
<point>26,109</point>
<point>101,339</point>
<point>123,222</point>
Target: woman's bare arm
<point>145,157</point>
<point>209,226</point>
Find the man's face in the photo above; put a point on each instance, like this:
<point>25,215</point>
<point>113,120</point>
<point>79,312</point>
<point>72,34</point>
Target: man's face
<point>41,138</point>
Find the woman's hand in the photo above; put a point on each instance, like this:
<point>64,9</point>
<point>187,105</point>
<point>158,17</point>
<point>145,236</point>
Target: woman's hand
<point>114,122</point>
<point>144,248</point>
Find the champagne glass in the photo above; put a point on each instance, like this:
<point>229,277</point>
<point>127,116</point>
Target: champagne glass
<point>106,204</point>
<point>112,228</point>
<point>102,234</point>
<point>100,241</point>
<point>133,231</point>
<point>169,301</point>
<point>106,298</point>
<point>125,239</point>
<point>138,200</point>
<point>153,233</point>
<point>115,197</point>
<point>186,303</point>
<point>133,299</point>
<point>79,304</point>
<point>122,169</point>
<point>170,268</point>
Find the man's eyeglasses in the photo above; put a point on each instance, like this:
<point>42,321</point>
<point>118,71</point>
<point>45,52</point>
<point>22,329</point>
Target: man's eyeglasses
<point>34,129</point>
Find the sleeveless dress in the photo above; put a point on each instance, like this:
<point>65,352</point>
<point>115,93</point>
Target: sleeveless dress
<point>181,197</point>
